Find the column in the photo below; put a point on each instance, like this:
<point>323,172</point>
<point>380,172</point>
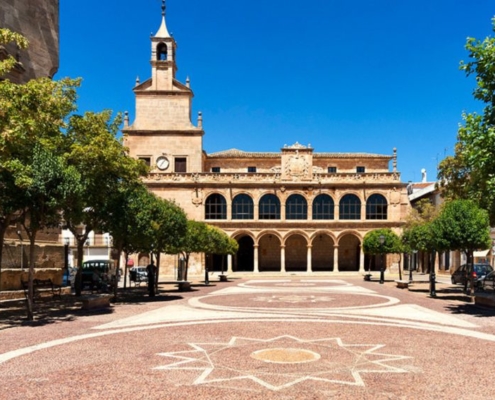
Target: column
<point>282,258</point>
<point>361,260</point>
<point>229,263</point>
<point>256,267</point>
<point>310,269</point>
<point>336,258</point>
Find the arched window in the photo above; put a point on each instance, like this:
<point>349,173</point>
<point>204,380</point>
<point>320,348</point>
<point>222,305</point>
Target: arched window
<point>296,207</point>
<point>323,207</point>
<point>242,207</point>
<point>376,207</point>
<point>269,207</point>
<point>161,52</point>
<point>350,207</point>
<point>215,207</point>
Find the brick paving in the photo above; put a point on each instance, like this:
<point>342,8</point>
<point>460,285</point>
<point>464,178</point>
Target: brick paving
<point>275,338</point>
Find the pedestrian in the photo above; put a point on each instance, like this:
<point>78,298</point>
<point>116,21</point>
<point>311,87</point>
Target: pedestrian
<point>151,270</point>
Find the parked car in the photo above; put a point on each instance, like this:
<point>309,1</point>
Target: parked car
<point>475,272</point>
<point>96,271</point>
<point>69,279</point>
<point>489,281</point>
<point>138,274</point>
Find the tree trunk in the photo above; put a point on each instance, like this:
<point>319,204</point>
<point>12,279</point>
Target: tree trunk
<point>157,270</point>
<point>186,266</point>
<point>3,228</point>
<point>80,240</point>
<point>30,299</point>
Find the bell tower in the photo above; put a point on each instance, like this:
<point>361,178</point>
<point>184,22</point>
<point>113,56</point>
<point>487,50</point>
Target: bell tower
<point>162,133</point>
<point>163,47</point>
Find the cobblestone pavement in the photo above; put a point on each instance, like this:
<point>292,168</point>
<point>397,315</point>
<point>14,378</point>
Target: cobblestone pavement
<point>280,338</point>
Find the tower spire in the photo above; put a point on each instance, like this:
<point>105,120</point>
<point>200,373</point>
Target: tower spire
<point>163,31</point>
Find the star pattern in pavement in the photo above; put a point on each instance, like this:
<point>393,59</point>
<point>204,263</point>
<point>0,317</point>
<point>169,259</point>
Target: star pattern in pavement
<point>284,361</point>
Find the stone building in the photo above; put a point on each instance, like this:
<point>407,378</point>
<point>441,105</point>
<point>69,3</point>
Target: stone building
<point>38,21</point>
<point>290,210</point>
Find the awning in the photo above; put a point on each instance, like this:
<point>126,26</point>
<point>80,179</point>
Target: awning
<point>483,253</point>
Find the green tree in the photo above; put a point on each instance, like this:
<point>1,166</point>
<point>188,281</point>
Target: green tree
<point>46,182</point>
<point>91,146</point>
<point>463,226</point>
<point>470,173</point>
<point>6,37</point>
<point>195,240</point>
<point>372,242</point>
<point>220,243</point>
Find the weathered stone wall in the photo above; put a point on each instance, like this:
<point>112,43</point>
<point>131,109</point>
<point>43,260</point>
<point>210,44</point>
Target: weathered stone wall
<point>11,278</point>
<point>38,21</point>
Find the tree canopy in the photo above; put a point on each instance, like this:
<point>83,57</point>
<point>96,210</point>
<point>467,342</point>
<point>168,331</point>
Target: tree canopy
<point>470,173</point>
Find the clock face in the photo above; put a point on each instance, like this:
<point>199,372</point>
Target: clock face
<point>162,163</point>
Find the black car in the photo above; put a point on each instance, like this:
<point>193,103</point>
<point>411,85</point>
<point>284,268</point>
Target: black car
<point>489,281</point>
<point>475,272</point>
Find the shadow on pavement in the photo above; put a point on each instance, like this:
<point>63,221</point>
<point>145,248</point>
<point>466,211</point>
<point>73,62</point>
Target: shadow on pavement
<point>471,309</point>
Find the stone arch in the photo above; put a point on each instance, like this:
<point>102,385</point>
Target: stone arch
<point>161,52</point>
<point>322,251</point>
<point>296,250</point>
<point>349,251</point>
<point>243,260</point>
<point>269,258</point>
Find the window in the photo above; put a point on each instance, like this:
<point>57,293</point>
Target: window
<point>161,52</point>
<point>296,207</point>
<point>215,207</point>
<point>350,207</point>
<point>376,207</point>
<point>269,207</point>
<point>242,207</point>
<point>251,169</point>
<point>215,169</point>
<point>323,207</point>
<point>332,170</point>
<point>360,170</point>
<point>180,164</point>
<point>146,160</point>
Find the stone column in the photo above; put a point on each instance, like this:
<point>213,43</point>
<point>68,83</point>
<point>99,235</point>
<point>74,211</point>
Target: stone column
<point>361,259</point>
<point>229,263</point>
<point>256,269</point>
<point>336,258</point>
<point>310,269</point>
<point>282,258</point>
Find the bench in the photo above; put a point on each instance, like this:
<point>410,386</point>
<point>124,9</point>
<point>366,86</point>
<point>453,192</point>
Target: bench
<point>42,286</point>
<point>402,284</point>
<point>95,301</point>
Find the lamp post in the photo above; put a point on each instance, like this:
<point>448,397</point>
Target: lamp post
<point>66,258</point>
<point>414,252</point>
<point>433,278</point>
<point>381,239</point>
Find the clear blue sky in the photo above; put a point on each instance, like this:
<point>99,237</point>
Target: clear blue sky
<point>345,76</point>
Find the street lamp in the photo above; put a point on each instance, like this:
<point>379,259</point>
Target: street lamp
<point>433,278</point>
<point>66,258</point>
<point>414,252</point>
<point>381,239</point>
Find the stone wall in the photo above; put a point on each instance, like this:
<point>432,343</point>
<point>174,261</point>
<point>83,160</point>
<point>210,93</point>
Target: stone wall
<point>11,278</point>
<point>38,21</point>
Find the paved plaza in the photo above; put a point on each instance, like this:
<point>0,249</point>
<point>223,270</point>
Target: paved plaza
<point>280,338</point>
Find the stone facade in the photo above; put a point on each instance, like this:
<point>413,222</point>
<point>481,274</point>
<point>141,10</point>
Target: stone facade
<point>38,21</point>
<point>291,210</point>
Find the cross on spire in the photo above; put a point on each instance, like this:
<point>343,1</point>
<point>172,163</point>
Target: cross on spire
<point>163,8</point>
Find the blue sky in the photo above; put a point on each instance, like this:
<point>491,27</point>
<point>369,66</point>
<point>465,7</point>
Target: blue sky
<point>344,76</point>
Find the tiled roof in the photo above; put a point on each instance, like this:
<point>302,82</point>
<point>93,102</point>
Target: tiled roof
<point>236,153</point>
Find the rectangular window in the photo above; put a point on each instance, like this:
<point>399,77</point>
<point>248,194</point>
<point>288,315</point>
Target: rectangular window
<point>215,169</point>
<point>360,170</point>
<point>251,169</point>
<point>332,170</point>
<point>180,164</point>
<point>146,160</point>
